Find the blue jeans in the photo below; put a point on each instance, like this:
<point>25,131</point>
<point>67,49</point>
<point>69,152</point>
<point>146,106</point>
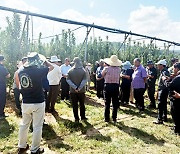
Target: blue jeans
<point>17,100</point>
<point>2,98</point>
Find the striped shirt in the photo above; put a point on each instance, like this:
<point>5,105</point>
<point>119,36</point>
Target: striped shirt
<point>112,74</point>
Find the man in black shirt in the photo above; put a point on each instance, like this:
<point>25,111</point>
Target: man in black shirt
<point>126,76</point>
<point>173,84</point>
<point>151,82</point>
<point>3,75</point>
<point>29,81</point>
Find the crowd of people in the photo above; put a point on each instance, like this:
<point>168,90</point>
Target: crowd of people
<point>40,81</point>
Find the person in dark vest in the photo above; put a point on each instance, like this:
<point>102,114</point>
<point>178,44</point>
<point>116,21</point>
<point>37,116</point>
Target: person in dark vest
<point>29,82</point>
<point>111,74</point>
<point>162,92</point>
<point>126,76</point>
<point>151,83</point>
<point>4,74</point>
<point>64,85</point>
<point>100,79</point>
<point>76,78</point>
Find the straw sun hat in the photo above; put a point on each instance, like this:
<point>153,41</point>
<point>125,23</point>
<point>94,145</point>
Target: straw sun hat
<point>113,61</point>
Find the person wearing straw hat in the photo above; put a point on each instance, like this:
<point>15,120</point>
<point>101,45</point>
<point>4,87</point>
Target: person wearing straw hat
<point>151,83</point>
<point>100,79</point>
<point>126,76</point>
<point>139,78</point>
<point>29,82</point>
<point>4,74</point>
<point>162,92</point>
<point>111,75</point>
<point>77,79</point>
<point>54,78</point>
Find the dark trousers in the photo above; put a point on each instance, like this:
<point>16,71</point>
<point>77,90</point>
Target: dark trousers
<point>162,105</point>
<point>2,98</point>
<point>151,92</point>
<point>78,97</point>
<point>175,112</point>
<point>139,97</point>
<point>111,92</point>
<point>52,97</point>
<point>100,88</point>
<point>17,98</point>
<point>65,89</point>
<point>125,93</point>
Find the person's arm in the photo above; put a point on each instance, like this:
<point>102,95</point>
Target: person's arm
<point>16,78</point>
<point>49,65</point>
<point>83,82</point>
<point>176,95</point>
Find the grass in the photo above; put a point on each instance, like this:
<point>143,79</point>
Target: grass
<point>133,133</point>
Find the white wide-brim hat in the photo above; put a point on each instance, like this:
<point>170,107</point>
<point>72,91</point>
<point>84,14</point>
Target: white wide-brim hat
<point>113,61</point>
<point>54,59</point>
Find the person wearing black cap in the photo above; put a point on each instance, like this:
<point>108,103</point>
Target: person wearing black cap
<point>3,75</point>
<point>151,81</point>
<point>174,88</point>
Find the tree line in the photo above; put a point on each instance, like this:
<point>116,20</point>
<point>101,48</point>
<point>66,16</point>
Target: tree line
<point>15,44</point>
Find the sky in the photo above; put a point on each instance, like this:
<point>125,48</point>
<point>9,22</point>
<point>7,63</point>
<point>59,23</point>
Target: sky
<point>157,18</point>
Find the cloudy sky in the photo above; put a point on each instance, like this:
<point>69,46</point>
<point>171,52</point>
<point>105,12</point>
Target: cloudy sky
<point>157,18</point>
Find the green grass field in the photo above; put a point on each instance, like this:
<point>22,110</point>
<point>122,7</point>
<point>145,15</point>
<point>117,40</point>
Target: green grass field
<point>134,132</point>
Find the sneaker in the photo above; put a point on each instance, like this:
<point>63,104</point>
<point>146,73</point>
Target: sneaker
<point>158,122</point>
<point>39,151</point>
<point>23,150</point>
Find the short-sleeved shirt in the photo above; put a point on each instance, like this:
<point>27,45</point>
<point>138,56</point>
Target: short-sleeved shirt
<point>138,77</point>
<point>31,86</point>
<point>112,74</point>
<point>127,82</point>
<point>65,69</point>
<point>152,72</point>
<point>3,73</point>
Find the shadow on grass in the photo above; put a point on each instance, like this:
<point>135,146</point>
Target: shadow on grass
<point>52,139</point>
<point>5,128</point>
<point>85,127</point>
<point>140,134</point>
<point>92,102</point>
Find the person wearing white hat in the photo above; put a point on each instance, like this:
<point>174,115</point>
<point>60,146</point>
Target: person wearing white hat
<point>126,76</point>
<point>54,78</point>
<point>29,81</point>
<point>111,75</point>
<point>162,92</point>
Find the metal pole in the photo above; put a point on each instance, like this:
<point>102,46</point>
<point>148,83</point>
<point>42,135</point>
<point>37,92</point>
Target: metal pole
<point>86,46</point>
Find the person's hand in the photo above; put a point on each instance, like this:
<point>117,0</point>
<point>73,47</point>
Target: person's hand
<point>77,90</point>
<point>165,78</point>
<point>98,79</point>
<point>176,95</point>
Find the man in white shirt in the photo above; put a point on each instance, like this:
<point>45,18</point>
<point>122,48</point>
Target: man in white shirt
<point>54,78</point>
<point>64,85</point>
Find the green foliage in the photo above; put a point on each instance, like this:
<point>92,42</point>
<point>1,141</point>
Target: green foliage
<point>15,44</point>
